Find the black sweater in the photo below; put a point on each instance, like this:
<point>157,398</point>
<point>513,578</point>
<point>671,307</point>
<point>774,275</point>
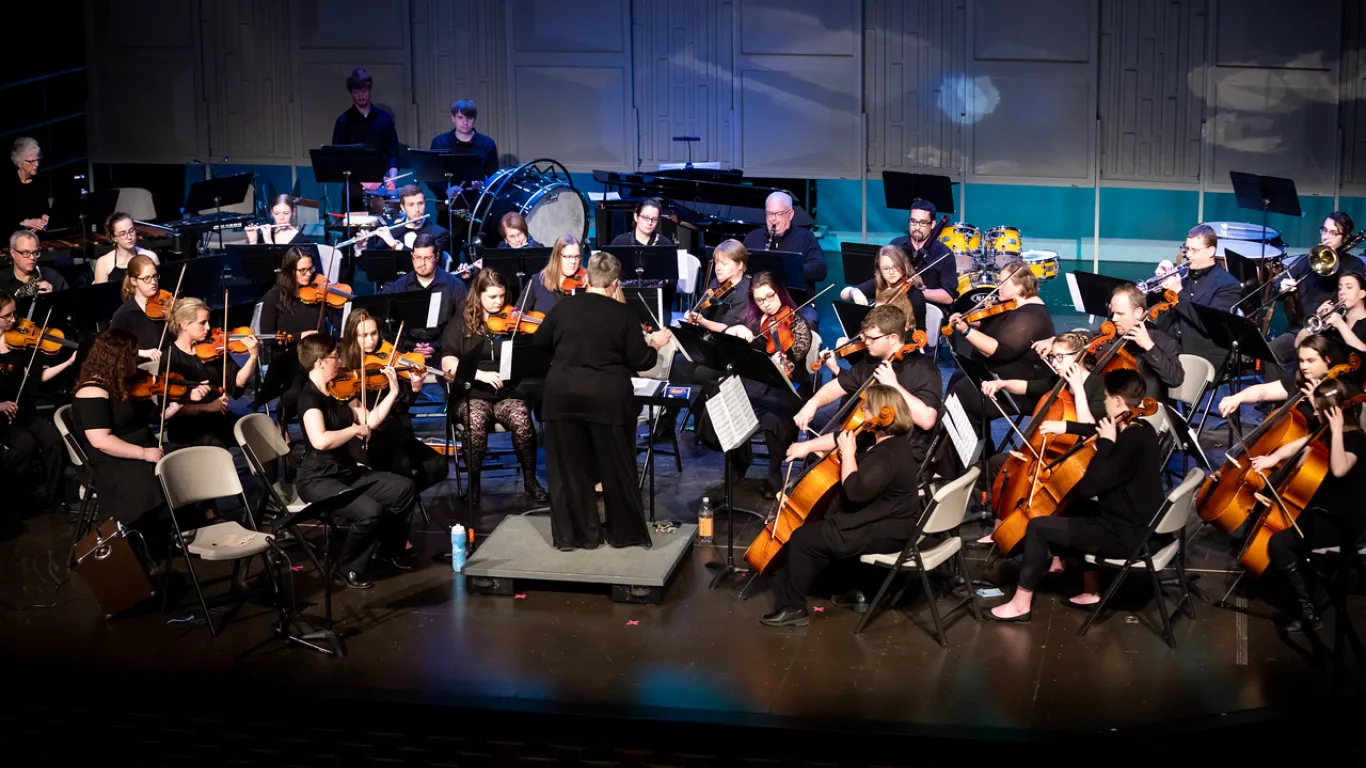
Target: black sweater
<point>1124,477</point>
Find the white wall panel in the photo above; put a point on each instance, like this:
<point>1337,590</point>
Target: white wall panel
<point>460,52</point>
<point>1353,109</point>
<point>247,84</point>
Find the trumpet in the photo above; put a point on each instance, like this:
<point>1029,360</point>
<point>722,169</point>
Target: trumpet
<point>1319,322</point>
<point>1154,284</point>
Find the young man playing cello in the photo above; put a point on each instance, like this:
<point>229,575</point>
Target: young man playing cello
<point>1124,476</point>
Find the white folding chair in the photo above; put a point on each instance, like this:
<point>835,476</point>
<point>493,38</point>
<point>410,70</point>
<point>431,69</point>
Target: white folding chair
<point>261,443</point>
<point>204,473</point>
<point>136,202</point>
<point>87,512</point>
<point>943,515</point>
<point>934,317</point>
<point>1170,520</point>
<point>1197,382</point>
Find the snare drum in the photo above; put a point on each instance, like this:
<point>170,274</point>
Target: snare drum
<point>1044,264</point>
<point>962,239</point>
<point>1003,244</point>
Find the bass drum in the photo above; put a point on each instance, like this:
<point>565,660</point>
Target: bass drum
<point>542,192</point>
<point>972,288</point>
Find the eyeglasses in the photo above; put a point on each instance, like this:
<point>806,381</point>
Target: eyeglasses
<point>777,214</point>
<point>647,219</point>
<point>926,224</point>
<point>428,257</point>
<point>126,233</point>
<point>8,315</point>
<point>25,254</point>
<point>870,339</point>
<point>34,161</point>
<point>1327,231</point>
<point>766,298</point>
<point>304,270</point>
<point>889,270</point>
<point>152,278</point>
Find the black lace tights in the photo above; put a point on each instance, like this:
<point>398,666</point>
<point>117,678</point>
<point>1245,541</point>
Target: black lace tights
<point>514,415</point>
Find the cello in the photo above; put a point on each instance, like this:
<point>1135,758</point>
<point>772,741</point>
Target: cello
<point>816,487</point>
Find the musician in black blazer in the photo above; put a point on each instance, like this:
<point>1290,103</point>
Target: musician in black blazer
<point>1207,284</point>
<point>414,205</point>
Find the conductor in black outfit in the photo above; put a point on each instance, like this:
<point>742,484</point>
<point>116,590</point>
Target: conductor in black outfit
<point>368,125</point>
<point>778,234</point>
<point>596,345</point>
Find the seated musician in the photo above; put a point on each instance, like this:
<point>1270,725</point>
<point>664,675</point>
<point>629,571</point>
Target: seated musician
<point>112,266</point>
<point>30,442</point>
<point>462,139</point>
<point>1309,289</point>
<point>414,205</point>
<point>1002,343</point>
<point>141,282</point>
<point>546,288</point>
<point>778,234</point>
<point>1207,284</point>
<point>27,278</point>
<point>515,234</point>
<point>775,409</point>
<point>489,400</point>
<point>1345,318</point>
<point>1317,355</point>
<point>875,510</point>
<point>941,280</point>
<point>915,377</point>
<point>208,422</point>
<point>1332,517</point>
<point>646,230</point>
<point>282,311</point>
<point>428,276</point>
<point>381,517</point>
<point>1124,477</point>
<point>886,287</point>
<point>729,261</point>
<point>22,197</point>
<point>283,228</point>
<point>392,447</point>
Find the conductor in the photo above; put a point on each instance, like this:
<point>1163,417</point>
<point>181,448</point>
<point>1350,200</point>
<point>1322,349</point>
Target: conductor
<point>596,344</point>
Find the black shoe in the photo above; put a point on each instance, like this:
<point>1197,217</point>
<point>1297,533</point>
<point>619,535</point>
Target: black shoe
<point>355,580</point>
<point>787,617</point>
<point>534,490</point>
<point>1308,619</point>
<point>401,564</point>
<point>853,600</point>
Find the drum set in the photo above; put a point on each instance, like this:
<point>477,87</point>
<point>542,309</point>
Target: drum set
<point>980,255</point>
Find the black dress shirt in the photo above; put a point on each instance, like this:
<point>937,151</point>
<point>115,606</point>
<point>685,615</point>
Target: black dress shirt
<point>596,347</point>
<point>1210,287</point>
<point>629,238</point>
<point>1125,478</point>
<point>19,201</point>
<point>918,374</point>
<point>11,283</point>
<point>1313,289</point>
<point>479,144</point>
<point>453,293</point>
<point>375,131</point>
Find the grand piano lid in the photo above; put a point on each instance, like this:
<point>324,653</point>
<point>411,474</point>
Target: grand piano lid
<point>700,192</point>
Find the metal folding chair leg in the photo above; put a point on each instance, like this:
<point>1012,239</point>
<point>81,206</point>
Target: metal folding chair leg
<point>1167,633</point>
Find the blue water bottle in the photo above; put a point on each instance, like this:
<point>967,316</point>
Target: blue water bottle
<point>458,547</point>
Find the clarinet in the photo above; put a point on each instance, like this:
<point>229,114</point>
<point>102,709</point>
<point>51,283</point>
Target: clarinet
<point>772,238</point>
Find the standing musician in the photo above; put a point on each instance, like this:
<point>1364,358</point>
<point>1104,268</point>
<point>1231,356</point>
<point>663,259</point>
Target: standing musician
<point>563,274</point>
<point>1002,342</point>
<point>1345,318</point>
<point>771,314</point>
<point>282,311</point>
<point>888,286</point>
<point>939,284</point>
<point>916,378</point>
<point>1207,284</point>
<point>646,231</point>
<point>392,447</point>
<point>1310,289</point>
<point>1333,517</point>
<point>112,266</point>
<point>468,339</point>
<point>778,234</point>
<point>428,276</point>
<point>1124,476</point>
<point>368,125</point>
<point>283,228</point>
<point>590,417</point>
<point>381,517</point>
<point>414,205</point>
<point>26,441</point>
<point>515,233</point>
<point>28,278</point>
<point>22,197</point>
<point>462,139</point>
<point>208,422</point>
<point>875,510</point>
<point>141,283</point>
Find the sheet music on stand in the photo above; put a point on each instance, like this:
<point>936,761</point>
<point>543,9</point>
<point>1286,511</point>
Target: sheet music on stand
<point>731,414</point>
<point>960,430</point>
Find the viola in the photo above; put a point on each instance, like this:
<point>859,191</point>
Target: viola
<point>159,306</point>
<point>171,387</point>
<point>982,314</point>
<point>508,318</point>
<point>212,347</point>
<point>811,496</point>
<point>575,282</point>
<point>25,335</point>
<point>1120,356</point>
<point>319,291</point>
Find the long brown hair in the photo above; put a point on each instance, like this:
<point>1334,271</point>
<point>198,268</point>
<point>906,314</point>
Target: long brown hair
<point>349,348</point>
<point>474,308</point>
<point>285,281</point>
<point>135,265</point>
<point>1336,392</point>
<point>112,361</point>
<point>553,276</point>
<point>890,294</point>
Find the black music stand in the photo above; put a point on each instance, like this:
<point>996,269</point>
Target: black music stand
<point>347,163</point>
<point>1094,292</point>
<point>860,261</point>
<point>648,266</point>
<point>900,190</point>
<point>516,264</point>
<point>650,305</point>
<point>432,167</point>
<point>384,267</point>
<point>78,310</point>
<point>217,192</point>
<point>850,316</point>
<point>296,628</point>
<point>1240,336</point>
<point>786,266</point>
<point>411,308</point>
<point>1268,194</point>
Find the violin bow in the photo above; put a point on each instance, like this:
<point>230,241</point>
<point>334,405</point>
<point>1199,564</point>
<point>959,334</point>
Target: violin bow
<point>705,289</point>
<point>166,323</point>
<point>227,337</point>
<point>364,407</point>
<point>661,326</point>
<point>33,356</point>
<point>322,300</point>
<point>521,305</point>
<point>166,383</point>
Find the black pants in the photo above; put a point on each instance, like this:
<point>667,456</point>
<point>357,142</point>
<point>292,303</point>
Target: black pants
<point>577,453</point>
<point>379,519</point>
<point>34,447</point>
<point>811,549</point>
<point>1048,536</point>
<point>1287,548</point>
<point>398,451</point>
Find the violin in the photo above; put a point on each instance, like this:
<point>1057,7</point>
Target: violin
<point>508,318</point>
<point>159,306</point>
<point>348,385</point>
<point>413,362</point>
<point>171,387</point>
<point>982,314</point>
<point>851,347</point>
<point>212,348</point>
<point>575,282</point>
<point>24,335</point>
<point>335,296</point>
<point>713,295</point>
